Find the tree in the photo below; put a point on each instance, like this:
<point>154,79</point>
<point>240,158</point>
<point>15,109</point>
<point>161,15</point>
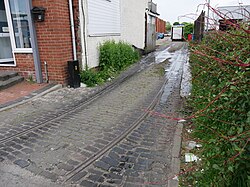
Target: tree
<point>176,23</point>
<point>168,26</point>
<point>188,28</point>
<point>185,23</point>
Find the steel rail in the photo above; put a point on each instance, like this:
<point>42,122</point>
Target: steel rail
<point>81,104</point>
<point>122,78</point>
<point>114,142</point>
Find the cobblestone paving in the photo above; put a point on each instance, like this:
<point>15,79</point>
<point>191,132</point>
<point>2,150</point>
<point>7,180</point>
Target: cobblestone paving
<point>144,157</point>
<point>60,146</point>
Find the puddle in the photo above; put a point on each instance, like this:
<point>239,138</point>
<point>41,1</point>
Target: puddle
<point>162,56</point>
<point>186,83</point>
<point>174,72</point>
<point>156,57</point>
<point>177,71</point>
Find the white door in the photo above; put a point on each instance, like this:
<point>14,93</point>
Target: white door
<point>6,56</point>
<point>177,33</point>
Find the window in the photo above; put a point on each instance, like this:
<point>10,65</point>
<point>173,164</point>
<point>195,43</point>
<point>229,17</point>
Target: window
<point>19,18</point>
<point>6,56</point>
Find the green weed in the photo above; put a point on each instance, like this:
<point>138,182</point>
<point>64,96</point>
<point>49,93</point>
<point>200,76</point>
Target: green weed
<point>114,58</point>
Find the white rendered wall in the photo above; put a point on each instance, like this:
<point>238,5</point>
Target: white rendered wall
<point>133,21</point>
<point>234,12</point>
<point>132,15</point>
<point>93,51</point>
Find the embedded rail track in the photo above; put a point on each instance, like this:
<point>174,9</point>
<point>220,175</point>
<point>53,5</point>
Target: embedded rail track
<point>171,77</point>
<point>131,125</point>
<point>137,67</point>
<point>109,87</point>
<point>115,141</point>
<point>97,95</point>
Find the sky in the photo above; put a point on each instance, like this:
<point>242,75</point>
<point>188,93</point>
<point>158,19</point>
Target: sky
<point>178,10</point>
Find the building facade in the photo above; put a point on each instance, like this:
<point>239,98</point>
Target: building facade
<point>232,14</point>
<point>40,47</point>
<point>120,20</point>
<point>160,25</point>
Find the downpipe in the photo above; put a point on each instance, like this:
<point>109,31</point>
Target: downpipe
<point>72,25</point>
<point>46,71</point>
<point>83,32</point>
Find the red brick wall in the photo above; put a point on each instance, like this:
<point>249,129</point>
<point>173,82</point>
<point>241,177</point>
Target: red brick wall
<point>25,65</point>
<point>54,38</point>
<point>160,25</point>
<point>54,41</point>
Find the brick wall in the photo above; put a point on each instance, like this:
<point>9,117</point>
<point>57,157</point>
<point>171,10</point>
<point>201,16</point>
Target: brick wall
<point>25,65</point>
<point>54,41</point>
<point>54,38</point>
<point>160,25</point>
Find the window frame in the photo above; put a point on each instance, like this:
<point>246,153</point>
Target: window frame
<point>8,62</point>
<point>11,31</point>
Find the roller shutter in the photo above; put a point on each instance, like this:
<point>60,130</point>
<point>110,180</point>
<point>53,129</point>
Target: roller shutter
<point>104,17</point>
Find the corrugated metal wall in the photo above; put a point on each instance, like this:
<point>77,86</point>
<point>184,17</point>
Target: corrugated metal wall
<point>160,25</point>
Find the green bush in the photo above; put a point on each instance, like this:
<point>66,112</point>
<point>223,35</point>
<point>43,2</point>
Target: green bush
<point>188,29</point>
<point>114,57</point>
<point>221,103</point>
<point>89,77</point>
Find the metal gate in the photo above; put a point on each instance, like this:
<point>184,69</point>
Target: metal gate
<point>199,26</point>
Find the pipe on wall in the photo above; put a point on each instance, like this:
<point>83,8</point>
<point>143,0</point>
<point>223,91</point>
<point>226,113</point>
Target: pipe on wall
<point>37,63</point>
<point>72,25</point>
<point>46,71</point>
<point>83,32</point>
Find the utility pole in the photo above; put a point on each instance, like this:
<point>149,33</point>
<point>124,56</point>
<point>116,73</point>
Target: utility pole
<point>208,9</point>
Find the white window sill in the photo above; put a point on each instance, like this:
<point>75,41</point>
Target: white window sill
<point>7,65</point>
<point>28,50</point>
<point>104,35</point>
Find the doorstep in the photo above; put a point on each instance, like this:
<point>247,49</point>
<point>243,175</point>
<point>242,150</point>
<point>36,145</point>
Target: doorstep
<point>23,91</point>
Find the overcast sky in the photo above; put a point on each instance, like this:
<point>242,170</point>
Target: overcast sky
<point>171,10</point>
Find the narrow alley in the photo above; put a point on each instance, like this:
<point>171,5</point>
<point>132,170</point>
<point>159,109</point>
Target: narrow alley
<point>107,136</point>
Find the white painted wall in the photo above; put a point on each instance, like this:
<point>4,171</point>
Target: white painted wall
<point>132,28</point>
<point>235,12</point>
<point>93,51</point>
<point>133,21</point>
